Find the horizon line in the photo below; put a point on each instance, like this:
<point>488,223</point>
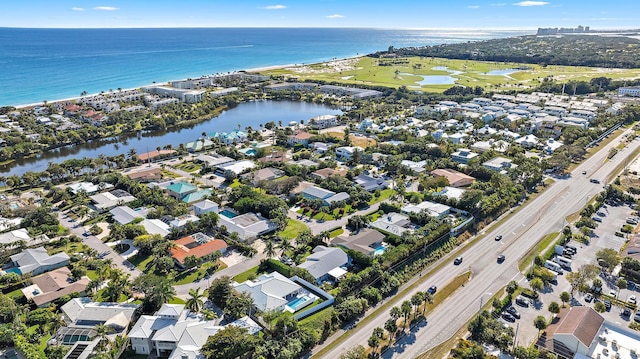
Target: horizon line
<point>313,27</point>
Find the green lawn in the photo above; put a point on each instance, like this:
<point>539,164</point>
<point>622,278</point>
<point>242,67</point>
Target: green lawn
<point>168,174</point>
<point>189,167</point>
<point>367,71</point>
<point>293,229</point>
<point>252,272</point>
<point>336,232</point>
<point>176,300</point>
<point>191,276</point>
<point>235,183</point>
<point>537,250</point>
<point>92,274</point>
<point>317,320</point>
<point>140,261</point>
<point>384,195</point>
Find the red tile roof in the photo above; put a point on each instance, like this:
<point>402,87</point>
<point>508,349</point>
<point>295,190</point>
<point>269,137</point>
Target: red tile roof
<point>181,249</point>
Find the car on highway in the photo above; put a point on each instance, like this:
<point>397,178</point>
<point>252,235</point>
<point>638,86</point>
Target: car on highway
<point>584,172</point>
<point>513,311</point>
<point>588,297</point>
<point>501,258</point>
<point>508,317</point>
<point>593,180</point>
<point>498,237</point>
<point>457,261</point>
<point>432,290</point>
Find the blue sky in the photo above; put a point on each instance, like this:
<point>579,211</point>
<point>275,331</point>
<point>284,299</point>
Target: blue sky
<point>467,14</point>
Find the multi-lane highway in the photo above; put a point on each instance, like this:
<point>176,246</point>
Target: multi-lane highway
<point>520,231</point>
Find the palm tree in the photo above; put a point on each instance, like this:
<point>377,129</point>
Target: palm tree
<point>194,303</point>
<point>395,313</point>
<point>269,249</point>
<point>164,292</point>
<point>406,311</point>
<point>416,300</point>
<point>101,332</point>
<point>285,245</point>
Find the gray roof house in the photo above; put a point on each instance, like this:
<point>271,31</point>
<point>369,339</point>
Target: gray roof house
<point>124,214</point>
<point>369,183</point>
<point>323,260</point>
<point>367,241</point>
<point>37,261</point>
<point>270,291</point>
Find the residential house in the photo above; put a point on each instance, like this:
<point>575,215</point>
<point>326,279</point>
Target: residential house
<point>180,189</point>
<point>213,159</point>
<point>266,174</point>
<point>175,333</point>
<point>108,200</point>
<point>196,196</point>
<point>326,196</point>
<point>16,235</point>
<point>198,245</point>
<point>463,156</point>
<point>367,241</point>
<point>457,138</point>
<point>632,91</point>
<point>551,145</point>
<point>124,214</point>
<point>450,192</point>
<point>181,221</point>
<point>394,223</point>
<point>88,187</point>
<point>299,138</point>
<point>369,183</point>
<point>36,261</point>
<point>155,226</point>
<point>155,154</point>
<point>345,153</point>
<point>455,178</point>
<point>146,175</point>
<point>81,316</point>
<point>417,167</point>
<point>206,206</point>
<point>527,141</point>
<point>323,121</point>
<point>483,146</point>
<point>352,92</point>
<point>198,145</point>
<point>320,147</point>
<point>323,260</point>
<point>437,210</point>
<point>499,164</point>
<point>325,173</point>
<point>248,225</point>
<point>270,292</point>
<point>53,285</point>
<point>234,168</point>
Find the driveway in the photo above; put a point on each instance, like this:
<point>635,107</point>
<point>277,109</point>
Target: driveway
<point>97,244</point>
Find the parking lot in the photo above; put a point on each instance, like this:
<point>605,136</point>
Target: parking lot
<point>604,237</point>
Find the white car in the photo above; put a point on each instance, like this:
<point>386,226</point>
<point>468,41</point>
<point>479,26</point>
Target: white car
<point>632,299</point>
<point>613,293</point>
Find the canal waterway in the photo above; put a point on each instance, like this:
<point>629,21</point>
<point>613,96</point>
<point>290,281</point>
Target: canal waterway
<point>248,114</point>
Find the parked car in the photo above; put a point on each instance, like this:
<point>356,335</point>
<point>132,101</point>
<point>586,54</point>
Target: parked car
<point>588,297</point>
<point>432,290</point>
<point>613,293</point>
<point>626,312</point>
<point>457,261</point>
<point>636,317</point>
<point>607,304</point>
<point>513,311</point>
<point>522,301</point>
<point>508,317</point>
<point>632,299</point>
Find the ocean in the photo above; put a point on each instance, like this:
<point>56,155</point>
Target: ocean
<point>39,65</point>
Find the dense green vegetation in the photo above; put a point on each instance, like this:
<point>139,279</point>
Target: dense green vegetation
<point>572,50</point>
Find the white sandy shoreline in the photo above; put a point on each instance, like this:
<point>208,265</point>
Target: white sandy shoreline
<point>256,69</point>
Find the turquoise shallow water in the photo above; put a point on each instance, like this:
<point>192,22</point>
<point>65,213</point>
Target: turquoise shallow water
<point>50,64</point>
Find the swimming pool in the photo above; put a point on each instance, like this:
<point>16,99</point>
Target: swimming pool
<point>301,302</point>
<point>15,270</point>
<point>379,250</point>
<point>227,213</point>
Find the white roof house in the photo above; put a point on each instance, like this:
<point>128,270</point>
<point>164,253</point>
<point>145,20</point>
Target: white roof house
<point>206,206</point>
<point>451,192</point>
<point>107,200</point>
<point>15,235</point>
<point>36,261</point>
<point>499,164</point>
<point>124,214</point>
<point>270,291</point>
<point>155,226</point>
<point>248,225</point>
<point>394,223</point>
<point>83,312</point>
<point>551,145</point>
<point>434,209</point>
<point>527,141</point>
<point>88,187</point>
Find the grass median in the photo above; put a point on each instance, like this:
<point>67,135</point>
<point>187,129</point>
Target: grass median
<point>539,248</point>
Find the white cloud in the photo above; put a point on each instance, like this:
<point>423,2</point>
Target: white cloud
<point>335,16</point>
<point>105,8</point>
<point>473,7</point>
<point>274,7</point>
<point>531,3</point>
<point>499,4</point>
<point>77,9</point>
